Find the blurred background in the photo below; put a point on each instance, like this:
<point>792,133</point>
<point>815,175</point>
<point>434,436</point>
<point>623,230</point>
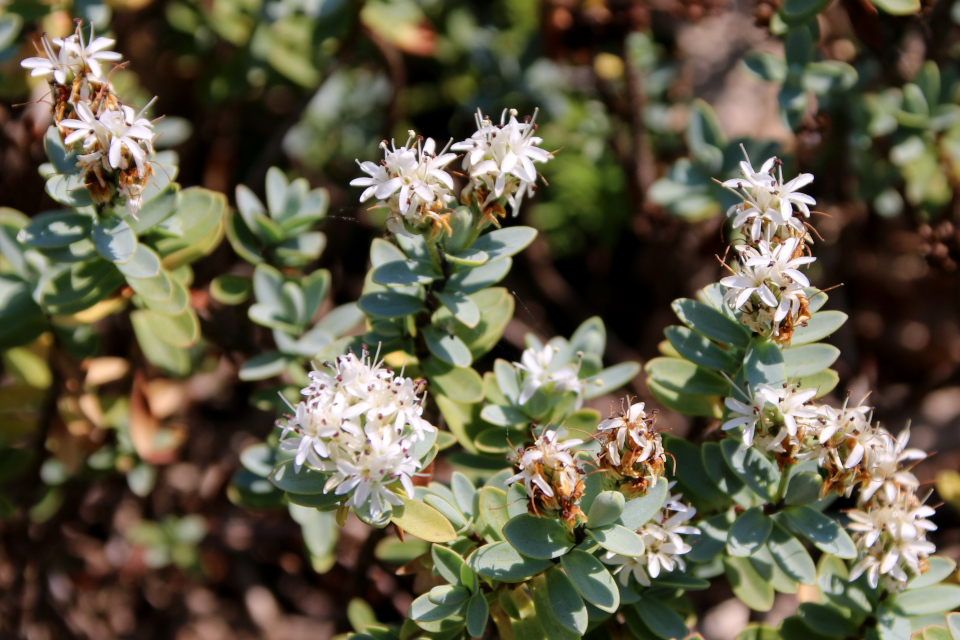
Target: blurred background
<point>646,102</point>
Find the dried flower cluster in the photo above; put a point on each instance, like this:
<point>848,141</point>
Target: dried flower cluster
<point>663,544</point>
<point>552,478</point>
<point>767,286</point>
<point>854,454</point>
<point>113,140</point>
<point>412,181</point>
<point>631,450</point>
<point>359,422</point>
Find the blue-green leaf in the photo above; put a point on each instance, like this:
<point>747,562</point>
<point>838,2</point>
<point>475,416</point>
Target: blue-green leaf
<point>465,309</point>
<point>389,304</point>
<point>711,323</point>
<point>639,511</point>
<point>56,229</point>
<point>764,363</point>
<point>503,243</point>
<point>468,280</point>
<point>500,561</point>
<point>592,580</point>
<point>823,531</point>
<point>114,239</point>
<point>618,539</point>
<point>610,379</point>
<point>566,603</point>
<point>809,359</point>
<point>405,272</point>
<point>540,538</point>
<point>447,347</point>
<point>699,350</point>
<point>749,532</point>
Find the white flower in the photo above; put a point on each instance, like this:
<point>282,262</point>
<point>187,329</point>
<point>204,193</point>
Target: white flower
<point>790,402</point>
<point>410,180</point>
<point>884,462</point>
<point>52,63</point>
<point>745,414</point>
<point>112,131</point>
<point>892,540</point>
<point>544,454</point>
<point>316,425</point>
<point>500,158</point>
<point>360,422</point>
<point>536,366</point>
<point>89,55</point>
<point>662,542</point>
<point>369,469</point>
<point>769,204</point>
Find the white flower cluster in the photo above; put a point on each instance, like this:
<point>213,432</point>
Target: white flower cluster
<point>889,522</point>
<point>499,161</point>
<point>770,207</point>
<point>663,543</point>
<point>113,139</point>
<point>891,533</point>
<point>65,60</point>
<point>767,286</point>
<point>538,374</point>
<point>359,422</point>
<point>412,181</point>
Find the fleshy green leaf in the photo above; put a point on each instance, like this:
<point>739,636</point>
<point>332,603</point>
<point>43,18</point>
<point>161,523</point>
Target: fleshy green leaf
<point>605,509</point>
<point>752,467</point>
<point>592,580</point>
<point>404,272</point>
<point>827,620</point>
<point>764,363</point>
<point>447,562</point>
<point>567,605</point>
<point>503,243</point>
<point>461,384</point>
<point>540,538</point>
<point>661,619</point>
<point>926,601</point>
<point>823,531</point>
<point>389,304</point>
<point>809,359</point>
<point>477,613</point>
<point>469,280</point>
<point>940,569</point>
<point>684,376</point>
<point>56,229</point>
<point>639,511</point>
<point>423,521</point>
<point>610,379</point>
<point>500,561</point>
<point>465,309</point>
<point>748,533</point>
<point>618,539</point>
<point>747,584</point>
<point>791,555</point>
<point>307,482</point>
<point>447,347</point>
<point>711,323</point>
<point>699,350</point>
<point>819,326</point>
